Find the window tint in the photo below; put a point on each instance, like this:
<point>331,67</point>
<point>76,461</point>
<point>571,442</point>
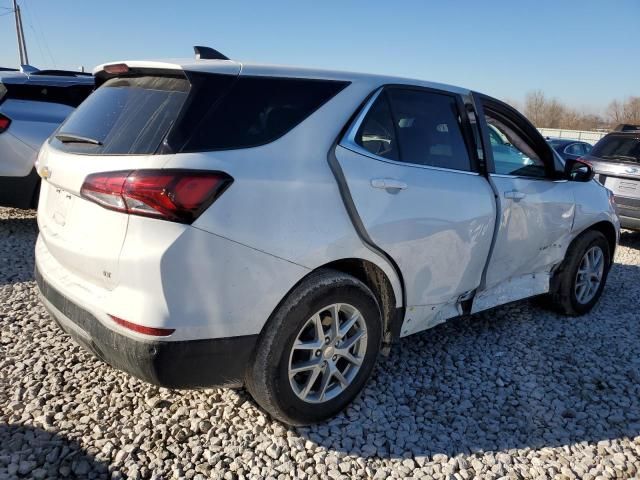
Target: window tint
<point>428,129</point>
<point>511,154</point>
<point>72,95</point>
<point>258,110</point>
<point>624,148</point>
<point>129,115</point>
<point>377,134</point>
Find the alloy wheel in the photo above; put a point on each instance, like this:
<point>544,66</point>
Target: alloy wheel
<point>327,353</point>
<point>589,275</point>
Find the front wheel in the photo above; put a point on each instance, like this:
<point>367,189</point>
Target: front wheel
<point>577,285</point>
<point>318,349</point>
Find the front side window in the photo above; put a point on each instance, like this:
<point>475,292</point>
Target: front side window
<point>512,155</point>
<point>417,127</point>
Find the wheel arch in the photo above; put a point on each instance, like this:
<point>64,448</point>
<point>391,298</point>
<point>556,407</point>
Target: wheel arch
<point>377,280</point>
<point>374,277</point>
<point>608,230</point>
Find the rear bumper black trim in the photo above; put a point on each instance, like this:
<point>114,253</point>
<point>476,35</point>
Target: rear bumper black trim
<point>632,223</point>
<point>215,362</point>
<point>19,191</point>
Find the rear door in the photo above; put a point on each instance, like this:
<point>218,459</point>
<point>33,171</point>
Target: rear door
<point>536,207</point>
<point>123,125</point>
<point>413,181</point>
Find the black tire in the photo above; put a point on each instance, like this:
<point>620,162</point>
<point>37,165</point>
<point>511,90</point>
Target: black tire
<point>562,295</point>
<point>267,377</point>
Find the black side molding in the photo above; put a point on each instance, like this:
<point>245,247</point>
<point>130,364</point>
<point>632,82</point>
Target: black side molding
<point>208,53</point>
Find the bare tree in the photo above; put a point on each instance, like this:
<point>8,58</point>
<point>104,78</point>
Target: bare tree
<point>615,112</point>
<point>534,106</point>
<point>552,113</point>
<point>631,110</point>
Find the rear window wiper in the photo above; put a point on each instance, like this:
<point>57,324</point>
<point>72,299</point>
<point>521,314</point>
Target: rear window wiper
<point>71,138</point>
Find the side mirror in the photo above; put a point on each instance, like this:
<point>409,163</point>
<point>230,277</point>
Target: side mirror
<point>578,171</point>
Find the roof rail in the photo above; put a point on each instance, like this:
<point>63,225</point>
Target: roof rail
<point>208,53</point>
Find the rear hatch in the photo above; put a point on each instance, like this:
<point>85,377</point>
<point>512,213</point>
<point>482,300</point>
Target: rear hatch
<point>123,126</point>
<point>616,160</point>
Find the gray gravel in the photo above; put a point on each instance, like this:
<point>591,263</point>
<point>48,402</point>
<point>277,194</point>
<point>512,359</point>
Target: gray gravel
<point>517,392</point>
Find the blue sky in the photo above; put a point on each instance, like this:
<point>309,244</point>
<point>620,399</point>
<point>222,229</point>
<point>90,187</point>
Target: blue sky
<point>585,53</point>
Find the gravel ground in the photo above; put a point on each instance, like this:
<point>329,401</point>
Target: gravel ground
<point>517,392</point>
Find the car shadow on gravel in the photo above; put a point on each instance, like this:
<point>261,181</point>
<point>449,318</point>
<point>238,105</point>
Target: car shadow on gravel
<point>630,238</point>
<point>28,452</point>
<point>16,251</point>
<point>517,376</point>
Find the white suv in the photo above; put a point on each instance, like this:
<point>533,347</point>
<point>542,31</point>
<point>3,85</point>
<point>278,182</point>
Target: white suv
<point>211,223</point>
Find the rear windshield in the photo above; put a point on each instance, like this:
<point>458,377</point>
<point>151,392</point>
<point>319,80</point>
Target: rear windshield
<point>159,114</point>
<point>618,148</point>
<point>129,115</point>
<point>72,95</point>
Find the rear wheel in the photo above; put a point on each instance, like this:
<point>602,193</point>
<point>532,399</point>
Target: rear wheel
<point>578,283</point>
<point>318,349</point>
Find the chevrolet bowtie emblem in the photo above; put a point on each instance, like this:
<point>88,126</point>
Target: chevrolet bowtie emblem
<point>45,172</point>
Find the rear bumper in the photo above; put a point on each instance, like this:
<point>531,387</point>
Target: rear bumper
<point>632,223</point>
<point>217,362</point>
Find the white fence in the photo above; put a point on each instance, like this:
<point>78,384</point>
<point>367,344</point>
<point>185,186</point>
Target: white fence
<point>585,136</point>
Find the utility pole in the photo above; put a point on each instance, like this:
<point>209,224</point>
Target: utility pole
<point>22,44</point>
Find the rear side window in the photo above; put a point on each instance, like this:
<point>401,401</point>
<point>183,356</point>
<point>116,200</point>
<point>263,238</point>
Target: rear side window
<point>259,110</point>
<point>128,115</point>
<point>377,133</point>
<point>415,126</point>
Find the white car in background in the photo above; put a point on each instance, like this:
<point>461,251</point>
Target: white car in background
<point>33,103</point>
<point>211,223</point>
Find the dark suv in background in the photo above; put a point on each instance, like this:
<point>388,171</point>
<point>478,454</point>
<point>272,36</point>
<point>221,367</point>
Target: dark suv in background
<point>616,160</point>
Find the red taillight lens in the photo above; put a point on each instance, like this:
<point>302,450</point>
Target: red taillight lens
<point>175,195</point>
<point>156,332</point>
<point>4,123</point>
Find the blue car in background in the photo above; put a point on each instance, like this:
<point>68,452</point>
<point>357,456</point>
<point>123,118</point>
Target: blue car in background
<point>570,149</point>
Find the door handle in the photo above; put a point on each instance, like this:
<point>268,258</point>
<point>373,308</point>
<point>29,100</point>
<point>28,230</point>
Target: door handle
<point>514,195</point>
<point>388,184</point>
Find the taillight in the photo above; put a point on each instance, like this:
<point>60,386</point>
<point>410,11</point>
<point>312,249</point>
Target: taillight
<point>4,123</point>
<point>175,195</point>
<point>156,332</point>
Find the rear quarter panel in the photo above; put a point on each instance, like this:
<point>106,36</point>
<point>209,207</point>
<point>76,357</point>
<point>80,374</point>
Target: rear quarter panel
<point>284,199</point>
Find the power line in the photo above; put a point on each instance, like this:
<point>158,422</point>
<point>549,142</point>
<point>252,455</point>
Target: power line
<point>33,14</point>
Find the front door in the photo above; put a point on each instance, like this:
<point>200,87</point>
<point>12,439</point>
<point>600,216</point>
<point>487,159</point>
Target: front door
<point>536,207</point>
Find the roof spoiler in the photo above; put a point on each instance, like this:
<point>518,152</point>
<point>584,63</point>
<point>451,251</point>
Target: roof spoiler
<point>208,53</point>
<point>626,127</point>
